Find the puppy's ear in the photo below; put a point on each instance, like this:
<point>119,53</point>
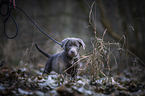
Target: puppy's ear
<point>64,42</point>
<point>82,43</point>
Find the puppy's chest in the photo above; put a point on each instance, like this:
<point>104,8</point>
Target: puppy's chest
<point>64,64</point>
<point>72,62</point>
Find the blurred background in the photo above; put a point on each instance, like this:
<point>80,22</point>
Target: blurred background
<point>123,19</point>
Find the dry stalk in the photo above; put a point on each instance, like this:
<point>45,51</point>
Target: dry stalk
<point>98,61</point>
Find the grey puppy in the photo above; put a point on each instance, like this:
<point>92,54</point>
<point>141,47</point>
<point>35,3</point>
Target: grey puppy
<point>64,61</point>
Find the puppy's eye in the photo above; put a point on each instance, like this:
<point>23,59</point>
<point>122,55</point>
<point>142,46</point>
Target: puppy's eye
<point>77,44</point>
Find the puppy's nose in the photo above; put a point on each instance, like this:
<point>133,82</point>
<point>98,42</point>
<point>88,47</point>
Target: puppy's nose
<point>72,51</point>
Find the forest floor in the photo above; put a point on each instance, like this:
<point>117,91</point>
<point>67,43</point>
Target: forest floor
<point>23,82</point>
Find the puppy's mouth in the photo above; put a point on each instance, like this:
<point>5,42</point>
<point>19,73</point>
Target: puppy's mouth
<point>72,53</point>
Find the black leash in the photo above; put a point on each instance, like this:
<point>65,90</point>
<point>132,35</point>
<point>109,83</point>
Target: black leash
<point>10,6</point>
<point>5,27</point>
<point>38,26</point>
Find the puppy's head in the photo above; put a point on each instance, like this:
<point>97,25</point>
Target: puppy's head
<point>72,46</point>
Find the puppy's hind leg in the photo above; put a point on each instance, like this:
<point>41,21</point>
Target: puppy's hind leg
<point>48,67</point>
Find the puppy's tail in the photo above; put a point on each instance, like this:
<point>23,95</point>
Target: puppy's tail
<point>43,52</point>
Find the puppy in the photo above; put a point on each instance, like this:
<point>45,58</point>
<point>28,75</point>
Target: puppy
<point>64,61</point>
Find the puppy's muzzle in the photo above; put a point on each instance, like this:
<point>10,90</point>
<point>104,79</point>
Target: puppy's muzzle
<point>73,52</point>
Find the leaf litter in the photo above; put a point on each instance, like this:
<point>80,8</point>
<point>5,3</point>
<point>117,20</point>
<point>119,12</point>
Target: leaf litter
<point>21,82</point>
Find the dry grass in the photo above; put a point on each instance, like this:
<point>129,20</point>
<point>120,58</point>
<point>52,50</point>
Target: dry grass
<point>107,57</point>
<point>103,60</point>
<point>98,61</point>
